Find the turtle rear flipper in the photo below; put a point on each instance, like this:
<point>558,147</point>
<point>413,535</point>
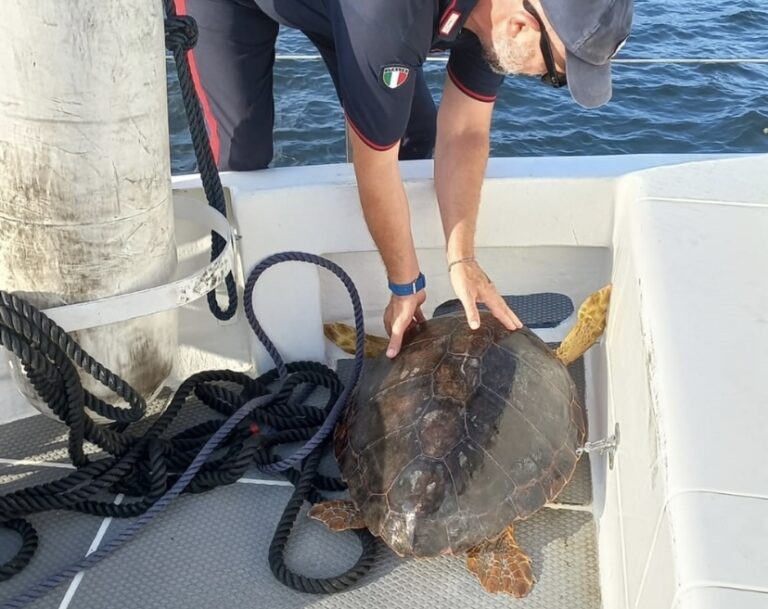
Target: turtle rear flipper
<point>501,566</point>
<point>338,515</point>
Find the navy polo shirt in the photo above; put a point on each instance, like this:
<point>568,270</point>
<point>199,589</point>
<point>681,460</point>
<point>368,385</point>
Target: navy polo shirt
<point>374,47</point>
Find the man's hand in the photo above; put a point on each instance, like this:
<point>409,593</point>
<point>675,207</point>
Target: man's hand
<point>401,312</point>
<point>472,286</point>
<point>461,154</point>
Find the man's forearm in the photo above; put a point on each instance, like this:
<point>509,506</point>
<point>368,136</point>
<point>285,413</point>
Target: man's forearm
<point>460,162</point>
<point>385,207</point>
<point>461,156</point>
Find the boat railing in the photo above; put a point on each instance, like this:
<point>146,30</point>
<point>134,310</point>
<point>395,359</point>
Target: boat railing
<point>627,60</point>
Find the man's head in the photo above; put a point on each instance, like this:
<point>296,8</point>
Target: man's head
<point>556,38</point>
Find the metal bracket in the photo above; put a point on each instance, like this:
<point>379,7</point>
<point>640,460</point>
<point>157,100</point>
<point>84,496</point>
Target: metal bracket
<point>164,297</point>
<point>605,445</point>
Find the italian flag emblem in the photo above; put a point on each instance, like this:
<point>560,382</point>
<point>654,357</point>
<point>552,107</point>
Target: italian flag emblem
<point>395,76</point>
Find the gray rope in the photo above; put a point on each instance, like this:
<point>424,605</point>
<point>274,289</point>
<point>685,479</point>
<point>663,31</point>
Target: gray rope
<point>41,588</point>
<point>44,586</point>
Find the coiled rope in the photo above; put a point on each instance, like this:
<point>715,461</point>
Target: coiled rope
<point>153,470</point>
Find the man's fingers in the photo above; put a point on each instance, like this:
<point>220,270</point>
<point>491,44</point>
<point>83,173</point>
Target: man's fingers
<point>399,326</point>
<point>419,315</point>
<point>515,320</point>
<point>476,287</point>
<point>501,311</point>
<point>473,316</point>
<point>394,346</point>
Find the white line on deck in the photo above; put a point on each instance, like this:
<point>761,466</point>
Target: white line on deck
<point>39,463</point>
<point>265,482</point>
<point>53,464</point>
<point>94,546</point>
<point>573,507</point>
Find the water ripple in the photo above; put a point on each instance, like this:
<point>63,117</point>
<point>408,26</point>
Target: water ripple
<point>700,108</point>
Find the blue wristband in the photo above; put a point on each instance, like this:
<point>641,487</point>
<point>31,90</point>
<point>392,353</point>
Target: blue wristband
<point>408,289</point>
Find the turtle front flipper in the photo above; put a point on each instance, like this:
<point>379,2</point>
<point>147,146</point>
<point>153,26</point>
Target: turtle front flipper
<point>589,327</point>
<point>501,566</point>
<point>343,336</point>
<point>338,515</point>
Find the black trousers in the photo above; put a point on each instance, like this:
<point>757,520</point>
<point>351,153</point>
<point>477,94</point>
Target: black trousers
<point>232,67</point>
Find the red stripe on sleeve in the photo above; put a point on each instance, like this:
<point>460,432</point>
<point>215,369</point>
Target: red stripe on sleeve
<point>469,92</point>
<point>368,142</point>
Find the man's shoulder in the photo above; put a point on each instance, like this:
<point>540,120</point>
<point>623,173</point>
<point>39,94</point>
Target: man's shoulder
<point>386,14</point>
<point>386,31</point>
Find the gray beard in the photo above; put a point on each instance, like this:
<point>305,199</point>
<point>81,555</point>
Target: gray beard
<point>505,57</point>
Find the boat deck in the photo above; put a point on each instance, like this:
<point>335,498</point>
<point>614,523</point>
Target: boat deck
<point>210,550</point>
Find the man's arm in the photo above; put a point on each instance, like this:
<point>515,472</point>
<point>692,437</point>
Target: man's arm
<point>385,207</point>
<point>461,156</point>
<point>386,211</point>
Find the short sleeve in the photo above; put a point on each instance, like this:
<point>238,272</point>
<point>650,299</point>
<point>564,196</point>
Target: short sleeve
<point>377,66</point>
<point>469,70</point>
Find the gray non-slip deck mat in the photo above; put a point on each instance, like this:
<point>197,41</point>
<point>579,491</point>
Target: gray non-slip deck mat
<point>36,438</point>
<point>63,536</point>
<point>210,550</point>
<point>541,310</point>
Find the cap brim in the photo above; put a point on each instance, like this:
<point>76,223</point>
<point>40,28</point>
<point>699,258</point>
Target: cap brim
<point>590,85</point>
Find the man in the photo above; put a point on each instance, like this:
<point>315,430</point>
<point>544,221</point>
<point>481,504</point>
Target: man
<point>374,50</point>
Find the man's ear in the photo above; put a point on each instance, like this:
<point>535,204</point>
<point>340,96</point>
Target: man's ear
<point>519,20</point>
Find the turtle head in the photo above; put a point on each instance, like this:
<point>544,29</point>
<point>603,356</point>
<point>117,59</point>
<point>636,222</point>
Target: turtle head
<point>590,325</point>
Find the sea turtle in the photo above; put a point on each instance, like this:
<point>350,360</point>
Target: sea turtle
<point>461,435</point>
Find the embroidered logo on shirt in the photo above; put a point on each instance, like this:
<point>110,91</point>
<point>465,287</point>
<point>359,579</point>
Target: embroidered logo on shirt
<point>446,27</point>
<point>394,76</point>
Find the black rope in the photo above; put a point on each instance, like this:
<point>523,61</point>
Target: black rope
<point>279,541</point>
<point>333,416</point>
<point>152,469</point>
<point>24,555</point>
<point>180,37</point>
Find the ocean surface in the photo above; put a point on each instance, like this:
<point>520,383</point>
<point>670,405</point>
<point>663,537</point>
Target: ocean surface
<point>659,108</point>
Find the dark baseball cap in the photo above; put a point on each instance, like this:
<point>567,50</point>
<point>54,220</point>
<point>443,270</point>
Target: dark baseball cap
<point>593,31</point>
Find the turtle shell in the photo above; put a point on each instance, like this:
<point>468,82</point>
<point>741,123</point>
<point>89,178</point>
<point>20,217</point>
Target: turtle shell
<point>462,433</point>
